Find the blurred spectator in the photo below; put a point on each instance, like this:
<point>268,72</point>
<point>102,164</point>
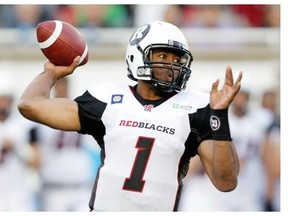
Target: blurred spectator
<point>94,15</point>
<point>174,15</point>
<point>271,155</point>
<point>27,16</point>
<point>210,16</point>
<point>89,15</point>
<point>7,16</point>
<point>272,18</point>
<point>189,14</point>
<point>270,101</point>
<point>16,158</point>
<point>64,13</point>
<point>268,110</point>
<point>251,15</point>
<point>271,151</point>
<point>117,16</point>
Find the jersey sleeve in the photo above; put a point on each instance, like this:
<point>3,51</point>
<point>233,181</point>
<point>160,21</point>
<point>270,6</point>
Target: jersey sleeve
<point>90,112</point>
<point>200,130</point>
<point>202,118</point>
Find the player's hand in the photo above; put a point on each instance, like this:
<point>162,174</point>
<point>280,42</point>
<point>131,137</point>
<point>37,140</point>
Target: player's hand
<point>61,71</point>
<point>221,99</point>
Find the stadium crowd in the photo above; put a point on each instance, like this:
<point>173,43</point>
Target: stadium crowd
<point>135,15</point>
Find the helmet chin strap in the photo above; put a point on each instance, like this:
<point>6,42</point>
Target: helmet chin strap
<point>162,90</point>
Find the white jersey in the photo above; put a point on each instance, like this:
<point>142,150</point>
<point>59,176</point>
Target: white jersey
<point>142,145</point>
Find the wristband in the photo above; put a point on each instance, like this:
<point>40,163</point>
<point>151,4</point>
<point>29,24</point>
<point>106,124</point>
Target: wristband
<point>220,125</point>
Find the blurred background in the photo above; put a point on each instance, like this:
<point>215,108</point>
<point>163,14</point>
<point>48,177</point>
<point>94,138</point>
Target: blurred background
<point>247,37</point>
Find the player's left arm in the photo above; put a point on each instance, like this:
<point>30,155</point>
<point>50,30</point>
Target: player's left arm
<point>221,163</point>
<point>219,156</point>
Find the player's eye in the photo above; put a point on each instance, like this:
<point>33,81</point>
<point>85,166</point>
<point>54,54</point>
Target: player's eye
<point>162,56</point>
<point>177,60</point>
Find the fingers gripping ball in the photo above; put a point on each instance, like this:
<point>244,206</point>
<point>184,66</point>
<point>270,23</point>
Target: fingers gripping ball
<point>61,42</point>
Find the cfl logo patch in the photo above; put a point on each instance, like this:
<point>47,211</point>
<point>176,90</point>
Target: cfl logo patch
<point>117,98</point>
<point>214,123</point>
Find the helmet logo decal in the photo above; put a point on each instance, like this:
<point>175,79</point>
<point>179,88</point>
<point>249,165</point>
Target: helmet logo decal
<point>139,34</point>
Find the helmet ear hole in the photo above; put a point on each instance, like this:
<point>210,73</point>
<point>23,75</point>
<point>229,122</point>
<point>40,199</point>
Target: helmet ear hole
<point>132,58</point>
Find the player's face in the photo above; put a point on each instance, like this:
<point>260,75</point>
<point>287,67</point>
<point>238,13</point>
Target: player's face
<point>166,68</point>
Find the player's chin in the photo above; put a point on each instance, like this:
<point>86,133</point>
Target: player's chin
<point>167,80</point>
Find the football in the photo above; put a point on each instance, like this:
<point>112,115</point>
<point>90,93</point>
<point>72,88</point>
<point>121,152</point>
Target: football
<point>61,42</point>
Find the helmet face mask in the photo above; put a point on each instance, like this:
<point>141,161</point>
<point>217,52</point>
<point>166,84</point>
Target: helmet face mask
<point>159,36</point>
